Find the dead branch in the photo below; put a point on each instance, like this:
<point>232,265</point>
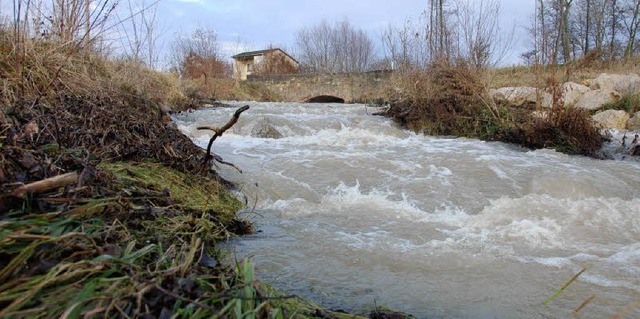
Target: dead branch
<point>47,184</point>
<point>220,131</point>
<point>219,159</point>
<point>210,128</point>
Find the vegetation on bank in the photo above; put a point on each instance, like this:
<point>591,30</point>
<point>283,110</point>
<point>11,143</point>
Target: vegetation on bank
<point>453,99</point>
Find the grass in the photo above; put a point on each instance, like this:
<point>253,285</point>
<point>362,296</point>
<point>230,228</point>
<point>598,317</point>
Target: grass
<point>150,249</point>
<point>189,192</point>
<point>579,71</point>
<point>105,256</point>
<point>628,103</point>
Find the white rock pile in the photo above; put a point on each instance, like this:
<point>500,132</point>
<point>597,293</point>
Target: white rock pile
<point>591,95</point>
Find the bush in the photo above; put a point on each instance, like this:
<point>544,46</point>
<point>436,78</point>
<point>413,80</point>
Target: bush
<point>442,100</point>
<point>568,130</point>
<point>452,100</point>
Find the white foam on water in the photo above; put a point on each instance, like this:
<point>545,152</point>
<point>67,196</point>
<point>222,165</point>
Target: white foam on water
<point>344,197</point>
<point>353,191</point>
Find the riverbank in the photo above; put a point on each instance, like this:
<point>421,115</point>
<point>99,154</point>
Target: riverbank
<point>106,208</point>
<point>450,99</point>
<point>135,233</point>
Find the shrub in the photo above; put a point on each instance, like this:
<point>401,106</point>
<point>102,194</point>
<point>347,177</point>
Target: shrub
<point>442,100</point>
<point>570,130</point>
<point>451,100</point>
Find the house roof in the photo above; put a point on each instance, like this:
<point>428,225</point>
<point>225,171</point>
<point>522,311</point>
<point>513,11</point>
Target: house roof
<point>250,54</point>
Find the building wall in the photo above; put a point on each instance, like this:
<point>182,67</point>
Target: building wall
<point>240,68</point>
<point>243,67</point>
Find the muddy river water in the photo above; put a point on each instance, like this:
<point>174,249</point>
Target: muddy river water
<point>352,212</point>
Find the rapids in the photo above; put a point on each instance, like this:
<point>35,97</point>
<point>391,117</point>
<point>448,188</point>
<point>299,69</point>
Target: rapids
<point>352,212</point>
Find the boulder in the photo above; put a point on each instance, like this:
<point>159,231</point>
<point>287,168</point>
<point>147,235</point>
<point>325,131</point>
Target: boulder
<point>266,130</point>
<point>572,92</point>
<point>634,123</point>
<point>615,119</point>
<point>521,96</point>
<point>606,81</point>
<point>496,95</point>
<point>624,84</point>
<point>593,100</point>
<point>629,84</point>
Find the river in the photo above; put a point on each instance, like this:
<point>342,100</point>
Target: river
<point>352,211</point>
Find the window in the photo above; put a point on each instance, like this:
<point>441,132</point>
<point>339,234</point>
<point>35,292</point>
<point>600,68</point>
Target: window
<point>250,67</point>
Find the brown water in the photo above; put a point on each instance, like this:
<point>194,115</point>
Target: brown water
<point>353,211</point>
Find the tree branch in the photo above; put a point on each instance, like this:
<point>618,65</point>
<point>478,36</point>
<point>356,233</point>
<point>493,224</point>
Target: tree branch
<point>220,131</point>
<point>47,184</point>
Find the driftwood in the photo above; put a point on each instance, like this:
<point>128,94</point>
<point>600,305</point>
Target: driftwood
<point>217,133</point>
<point>47,184</point>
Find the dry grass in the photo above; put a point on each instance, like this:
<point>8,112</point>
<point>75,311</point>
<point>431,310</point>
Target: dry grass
<point>452,100</point>
<point>443,100</point>
<point>580,71</point>
<point>45,71</point>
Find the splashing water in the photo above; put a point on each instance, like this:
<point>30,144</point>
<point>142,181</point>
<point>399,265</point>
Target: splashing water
<point>354,211</point>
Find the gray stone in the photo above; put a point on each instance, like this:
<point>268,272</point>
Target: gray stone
<point>624,84</point>
<point>266,130</point>
<point>614,119</point>
<point>606,82</point>
<point>634,123</point>
<point>594,100</point>
<point>572,92</point>
<point>629,84</point>
<point>521,96</point>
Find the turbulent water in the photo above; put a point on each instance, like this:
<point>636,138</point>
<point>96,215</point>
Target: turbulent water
<point>353,212</point>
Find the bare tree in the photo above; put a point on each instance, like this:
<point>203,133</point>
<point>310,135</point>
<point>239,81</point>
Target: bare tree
<point>335,48</point>
<point>407,47</point>
<point>76,22</point>
<point>198,55</point>
<point>141,33</point>
<point>483,43</point>
<point>440,43</point>
<point>565,29</point>
<point>631,22</point>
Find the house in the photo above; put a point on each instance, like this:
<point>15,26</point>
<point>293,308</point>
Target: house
<point>270,61</point>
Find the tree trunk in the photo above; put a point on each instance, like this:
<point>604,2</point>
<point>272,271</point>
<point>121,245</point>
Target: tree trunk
<point>566,30</point>
<point>614,22</point>
<point>633,31</point>
<point>587,24</point>
<point>543,35</point>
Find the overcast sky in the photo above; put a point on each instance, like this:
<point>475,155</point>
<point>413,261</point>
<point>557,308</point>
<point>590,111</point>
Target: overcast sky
<point>259,23</point>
